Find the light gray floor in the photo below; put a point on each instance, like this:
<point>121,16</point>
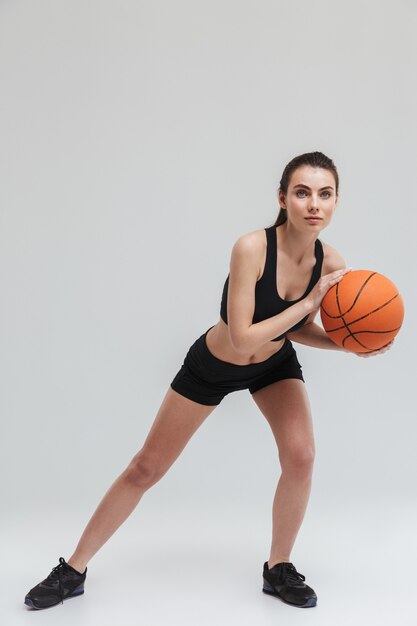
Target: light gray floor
<point>200,563</point>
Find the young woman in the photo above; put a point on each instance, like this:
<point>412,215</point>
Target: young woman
<point>278,278</point>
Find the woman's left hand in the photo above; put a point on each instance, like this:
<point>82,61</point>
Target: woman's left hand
<point>375,352</point>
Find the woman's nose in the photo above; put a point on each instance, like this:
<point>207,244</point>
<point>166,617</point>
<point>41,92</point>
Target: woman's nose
<point>313,206</point>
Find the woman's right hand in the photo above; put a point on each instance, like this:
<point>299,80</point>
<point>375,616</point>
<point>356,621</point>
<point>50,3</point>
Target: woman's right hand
<point>323,285</point>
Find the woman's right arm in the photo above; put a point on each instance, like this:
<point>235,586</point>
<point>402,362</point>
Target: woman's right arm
<point>246,337</point>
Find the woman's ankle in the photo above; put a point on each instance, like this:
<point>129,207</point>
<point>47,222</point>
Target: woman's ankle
<point>275,561</point>
<point>79,566</point>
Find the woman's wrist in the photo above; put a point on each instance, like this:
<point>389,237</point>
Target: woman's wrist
<point>309,305</point>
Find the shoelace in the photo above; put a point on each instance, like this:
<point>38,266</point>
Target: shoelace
<point>290,573</point>
<point>56,573</point>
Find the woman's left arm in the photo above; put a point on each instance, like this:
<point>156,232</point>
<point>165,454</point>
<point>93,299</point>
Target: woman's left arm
<point>313,335</point>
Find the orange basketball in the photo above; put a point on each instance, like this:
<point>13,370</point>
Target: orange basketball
<point>363,311</point>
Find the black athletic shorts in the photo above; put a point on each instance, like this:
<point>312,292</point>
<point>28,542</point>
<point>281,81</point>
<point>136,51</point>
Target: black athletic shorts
<point>206,379</point>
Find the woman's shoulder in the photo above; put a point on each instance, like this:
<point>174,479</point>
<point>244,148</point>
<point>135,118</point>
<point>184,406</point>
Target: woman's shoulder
<point>249,250</point>
<point>251,243</point>
<point>332,259</point>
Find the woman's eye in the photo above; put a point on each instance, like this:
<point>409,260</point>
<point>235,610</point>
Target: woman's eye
<point>303,191</point>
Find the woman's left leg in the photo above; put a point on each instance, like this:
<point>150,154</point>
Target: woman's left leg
<point>286,406</point>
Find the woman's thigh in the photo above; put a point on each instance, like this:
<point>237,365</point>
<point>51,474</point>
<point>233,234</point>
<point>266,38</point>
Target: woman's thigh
<point>176,421</point>
<point>286,407</point>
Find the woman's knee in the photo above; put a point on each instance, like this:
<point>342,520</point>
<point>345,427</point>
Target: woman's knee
<point>298,460</point>
<point>145,469</point>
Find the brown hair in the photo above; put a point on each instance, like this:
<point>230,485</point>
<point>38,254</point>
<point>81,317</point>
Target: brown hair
<point>315,159</point>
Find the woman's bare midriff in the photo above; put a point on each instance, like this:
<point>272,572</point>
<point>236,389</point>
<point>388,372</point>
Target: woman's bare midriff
<point>218,343</point>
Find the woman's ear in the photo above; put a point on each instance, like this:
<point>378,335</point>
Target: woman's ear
<point>281,199</point>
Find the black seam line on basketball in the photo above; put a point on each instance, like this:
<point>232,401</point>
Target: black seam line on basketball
<point>343,320</point>
<point>354,338</point>
<point>345,325</point>
<point>372,349</point>
<point>375,332</point>
<point>355,300</point>
<point>363,316</point>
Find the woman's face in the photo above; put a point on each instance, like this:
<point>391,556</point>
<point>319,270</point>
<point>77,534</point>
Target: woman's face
<point>311,193</point>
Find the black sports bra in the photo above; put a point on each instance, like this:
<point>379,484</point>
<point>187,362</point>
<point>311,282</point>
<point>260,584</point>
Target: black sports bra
<point>267,300</point>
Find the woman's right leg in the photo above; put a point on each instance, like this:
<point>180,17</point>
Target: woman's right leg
<point>176,421</point>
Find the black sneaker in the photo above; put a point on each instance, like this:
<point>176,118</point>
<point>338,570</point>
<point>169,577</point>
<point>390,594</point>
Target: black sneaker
<point>63,582</point>
<point>284,581</point>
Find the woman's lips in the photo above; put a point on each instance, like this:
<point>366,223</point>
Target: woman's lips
<point>313,220</point>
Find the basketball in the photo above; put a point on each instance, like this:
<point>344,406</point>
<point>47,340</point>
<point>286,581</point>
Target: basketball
<point>363,312</point>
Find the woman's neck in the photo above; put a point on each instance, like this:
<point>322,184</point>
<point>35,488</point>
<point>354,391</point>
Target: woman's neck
<point>295,244</point>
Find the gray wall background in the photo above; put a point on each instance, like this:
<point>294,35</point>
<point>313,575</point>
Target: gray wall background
<point>139,140</point>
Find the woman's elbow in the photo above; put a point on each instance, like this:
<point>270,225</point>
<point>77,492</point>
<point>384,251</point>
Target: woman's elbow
<point>238,341</point>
